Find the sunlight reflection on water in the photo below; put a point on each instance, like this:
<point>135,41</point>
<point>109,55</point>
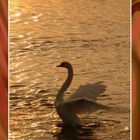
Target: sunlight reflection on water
<point>94,37</point>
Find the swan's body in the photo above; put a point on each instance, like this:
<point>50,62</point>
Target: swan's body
<point>76,104</point>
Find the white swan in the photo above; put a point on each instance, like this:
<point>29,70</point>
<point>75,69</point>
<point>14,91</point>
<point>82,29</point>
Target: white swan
<point>76,103</point>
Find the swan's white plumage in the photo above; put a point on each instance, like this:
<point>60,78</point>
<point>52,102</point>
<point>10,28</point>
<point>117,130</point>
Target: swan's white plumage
<point>82,101</point>
<point>88,91</point>
<point>83,105</point>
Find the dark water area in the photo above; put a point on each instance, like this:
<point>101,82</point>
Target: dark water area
<point>94,37</point>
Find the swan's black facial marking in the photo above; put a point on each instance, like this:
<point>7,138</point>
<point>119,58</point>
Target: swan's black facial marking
<point>64,64</point>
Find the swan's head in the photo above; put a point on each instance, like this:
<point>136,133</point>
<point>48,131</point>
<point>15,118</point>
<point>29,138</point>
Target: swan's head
<point>65,65</point>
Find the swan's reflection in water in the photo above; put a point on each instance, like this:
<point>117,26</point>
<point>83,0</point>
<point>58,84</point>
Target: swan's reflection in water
<point>77,133</point>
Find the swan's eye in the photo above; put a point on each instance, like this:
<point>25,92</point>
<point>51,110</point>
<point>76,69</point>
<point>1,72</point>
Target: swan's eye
<point>62,64</point>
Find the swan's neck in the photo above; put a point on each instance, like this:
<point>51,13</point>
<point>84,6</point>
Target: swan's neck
<point>60,94</point>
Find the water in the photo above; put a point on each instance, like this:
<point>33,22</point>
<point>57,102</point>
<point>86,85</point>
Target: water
<point>94,37</point>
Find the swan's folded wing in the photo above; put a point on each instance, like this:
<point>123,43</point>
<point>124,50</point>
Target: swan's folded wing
<point>82,105</point>
<point>89,91</point>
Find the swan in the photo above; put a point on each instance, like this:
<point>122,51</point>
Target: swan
<point>76,104</point>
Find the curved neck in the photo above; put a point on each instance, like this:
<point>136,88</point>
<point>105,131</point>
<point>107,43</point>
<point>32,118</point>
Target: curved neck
<point>60,94</point>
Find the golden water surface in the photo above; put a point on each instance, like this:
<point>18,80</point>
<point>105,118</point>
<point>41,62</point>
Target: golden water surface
<point>94,37</point>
